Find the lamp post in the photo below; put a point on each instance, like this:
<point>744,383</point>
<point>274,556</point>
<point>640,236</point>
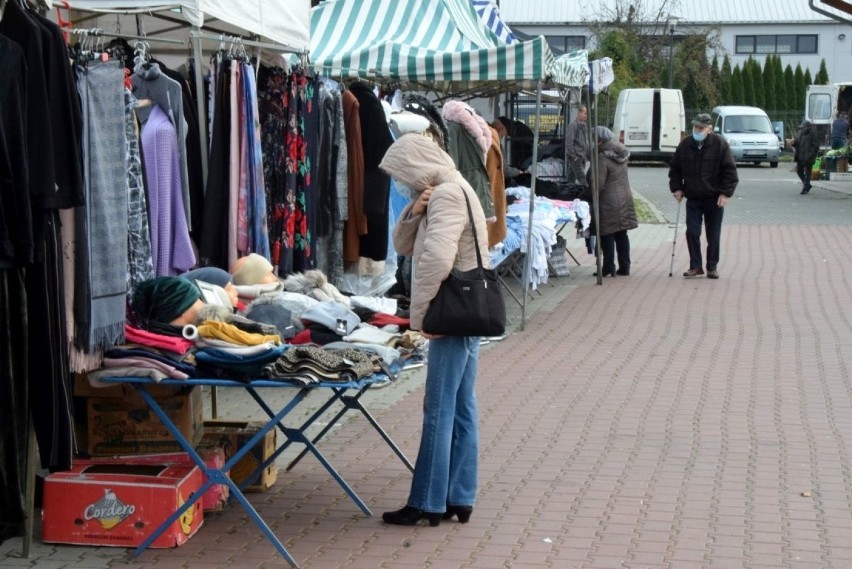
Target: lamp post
<point>671,24</point>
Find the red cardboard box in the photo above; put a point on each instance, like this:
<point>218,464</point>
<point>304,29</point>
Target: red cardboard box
<point>216,497</point>
<point>114,504</point>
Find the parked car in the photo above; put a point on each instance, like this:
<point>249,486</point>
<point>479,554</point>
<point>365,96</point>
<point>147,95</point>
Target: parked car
<point>749,132</point>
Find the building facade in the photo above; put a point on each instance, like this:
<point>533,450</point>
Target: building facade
<point>789,28</point>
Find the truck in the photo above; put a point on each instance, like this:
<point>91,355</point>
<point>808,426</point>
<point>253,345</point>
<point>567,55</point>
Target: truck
<point>823,102</point>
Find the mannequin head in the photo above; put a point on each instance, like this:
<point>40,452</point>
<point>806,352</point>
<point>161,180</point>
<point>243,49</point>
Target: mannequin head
<point>164,304</point>
<point>215,276</point>
<point>253,269</point>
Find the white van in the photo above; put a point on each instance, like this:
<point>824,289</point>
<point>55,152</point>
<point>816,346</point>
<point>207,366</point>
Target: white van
<point>650,122</point>
<point>749,132</point>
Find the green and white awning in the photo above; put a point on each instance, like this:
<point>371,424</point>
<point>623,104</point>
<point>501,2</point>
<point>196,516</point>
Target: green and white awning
<point>420,41</point>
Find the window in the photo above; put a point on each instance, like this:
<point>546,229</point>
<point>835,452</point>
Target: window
<point>819,106</point>
<point>776,44</point>
<point>564,44</point>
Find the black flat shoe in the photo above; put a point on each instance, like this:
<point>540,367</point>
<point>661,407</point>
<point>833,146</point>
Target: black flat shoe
<point>462,512</point>
<point>610,274</point>
<point>623,272</point>
<point>409,516</point>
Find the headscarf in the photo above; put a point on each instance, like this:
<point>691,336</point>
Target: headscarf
<point>158,301</point>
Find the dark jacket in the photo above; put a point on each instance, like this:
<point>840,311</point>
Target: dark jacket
<point>806,144</point>
<point>617,212</point>
<point>703,172</point>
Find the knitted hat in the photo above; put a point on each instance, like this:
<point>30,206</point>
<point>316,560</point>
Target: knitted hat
<point>604,133</point>
<point>212,275</point>
<point>162,299</point>
<point>252,270</point>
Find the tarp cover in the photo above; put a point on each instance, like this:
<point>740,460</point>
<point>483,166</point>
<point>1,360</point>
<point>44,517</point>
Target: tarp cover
<point>286,22</point>
<point>420,41</point>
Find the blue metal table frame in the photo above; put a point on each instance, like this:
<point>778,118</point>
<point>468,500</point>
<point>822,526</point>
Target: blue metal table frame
<point>340,392</point>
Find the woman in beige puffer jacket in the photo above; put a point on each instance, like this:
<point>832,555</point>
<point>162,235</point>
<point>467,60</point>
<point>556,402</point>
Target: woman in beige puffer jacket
<point>435,230</point>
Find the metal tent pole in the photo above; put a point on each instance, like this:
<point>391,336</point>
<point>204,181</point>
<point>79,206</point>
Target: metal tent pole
<point>527,263</point>
<point>592,177</point>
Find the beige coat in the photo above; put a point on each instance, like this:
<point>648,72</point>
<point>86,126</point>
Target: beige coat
<point>441,239</point>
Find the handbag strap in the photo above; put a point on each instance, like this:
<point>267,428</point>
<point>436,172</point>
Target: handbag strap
<point>473,226</point>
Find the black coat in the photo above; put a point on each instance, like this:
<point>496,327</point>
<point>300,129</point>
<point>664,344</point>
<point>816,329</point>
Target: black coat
<point>806,144</point>
<point>703,172</point>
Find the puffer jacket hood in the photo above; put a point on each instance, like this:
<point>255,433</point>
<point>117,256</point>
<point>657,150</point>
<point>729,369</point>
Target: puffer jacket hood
<point>441,238</point>
<point>615,151</point>
<point>418,162</point>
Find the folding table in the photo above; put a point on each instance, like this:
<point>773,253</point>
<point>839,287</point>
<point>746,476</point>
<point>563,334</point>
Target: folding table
<point>347,393</point>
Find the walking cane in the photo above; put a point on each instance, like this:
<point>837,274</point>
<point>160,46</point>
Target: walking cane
<point>674,241</point>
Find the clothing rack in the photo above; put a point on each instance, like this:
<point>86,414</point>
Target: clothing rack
<point>196,36</point>
<point>98,32</point>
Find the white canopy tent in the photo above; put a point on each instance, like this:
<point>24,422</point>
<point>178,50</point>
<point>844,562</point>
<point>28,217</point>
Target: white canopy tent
<point>286,22</point>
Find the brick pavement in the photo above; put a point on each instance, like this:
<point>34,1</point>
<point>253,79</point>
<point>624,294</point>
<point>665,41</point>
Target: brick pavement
<point>652,422</point>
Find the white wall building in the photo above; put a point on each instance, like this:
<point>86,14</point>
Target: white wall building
<point>789,28</point>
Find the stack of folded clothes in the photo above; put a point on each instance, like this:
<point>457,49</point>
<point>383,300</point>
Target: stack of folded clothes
<point>147,354</point>
<point>236,348</point>
<point>311,364</point>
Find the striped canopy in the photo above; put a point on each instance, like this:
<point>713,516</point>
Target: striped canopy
<point>439,44</point>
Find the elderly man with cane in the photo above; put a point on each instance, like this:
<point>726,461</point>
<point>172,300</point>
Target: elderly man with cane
<point>703,170</point>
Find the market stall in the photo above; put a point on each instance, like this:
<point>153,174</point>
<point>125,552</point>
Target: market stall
<point>41,345</point>
<point>442,47</point>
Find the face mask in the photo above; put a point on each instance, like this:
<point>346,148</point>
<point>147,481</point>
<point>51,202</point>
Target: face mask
<point>699,136</point>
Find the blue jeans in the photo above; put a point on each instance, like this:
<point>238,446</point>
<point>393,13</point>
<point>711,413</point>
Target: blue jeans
<point>706,208</point>
<point>447,462</point>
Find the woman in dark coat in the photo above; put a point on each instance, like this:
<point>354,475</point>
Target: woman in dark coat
<point>616,213</point>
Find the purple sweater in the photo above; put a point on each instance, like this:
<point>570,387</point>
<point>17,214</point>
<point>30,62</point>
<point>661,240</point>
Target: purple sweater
<point>170,243</point>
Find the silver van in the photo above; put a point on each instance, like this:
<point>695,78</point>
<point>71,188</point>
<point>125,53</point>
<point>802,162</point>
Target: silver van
<point>749,132</point>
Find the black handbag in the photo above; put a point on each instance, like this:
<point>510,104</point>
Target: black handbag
<point>469,303</point>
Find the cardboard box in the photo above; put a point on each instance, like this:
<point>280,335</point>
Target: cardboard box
<point>233,435</point>
<point>120,505</point>
<point>215,498</point>
<point>83,388</point>
<point>127,425</point>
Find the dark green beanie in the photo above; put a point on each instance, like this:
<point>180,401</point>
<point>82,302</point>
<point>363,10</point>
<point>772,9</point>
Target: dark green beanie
<point>158,301</point>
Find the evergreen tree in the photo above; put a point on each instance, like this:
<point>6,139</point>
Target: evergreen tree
<point>757,81</point>
<point>800,88</point>
<point>714,71</point>
<point>737,93</point>
<point>770,104</point>
<point>780,85</point>
<point>725,81</point>
<point>790,86</point>
<point>822,75</point>
<point>748,84</point>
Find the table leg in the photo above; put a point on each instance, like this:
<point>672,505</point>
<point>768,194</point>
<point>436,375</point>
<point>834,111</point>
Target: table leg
<point>213,476</point>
